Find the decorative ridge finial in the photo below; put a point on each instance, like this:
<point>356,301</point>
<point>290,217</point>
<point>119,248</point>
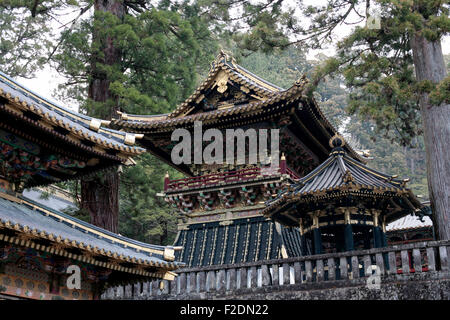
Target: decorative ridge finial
<point>122,115</point>
<point>302,81</point>
<point>223,55</point>
<point>337,141</point>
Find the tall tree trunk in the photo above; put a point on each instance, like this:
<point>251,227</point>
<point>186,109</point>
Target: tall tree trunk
<point>429,65</point>
<point>100,195</point>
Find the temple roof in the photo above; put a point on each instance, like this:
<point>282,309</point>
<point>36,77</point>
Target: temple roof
<point>232,97</point>
<point>409,222</point>
<point>168,121</point>
<point>61,234</point>
<point>81,127</point>
<point>235,72</point>
<point>340,175</point>
<point>224,68</point>
<point>42,142</point>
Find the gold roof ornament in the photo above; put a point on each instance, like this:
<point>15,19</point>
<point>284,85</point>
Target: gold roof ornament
<point>302,81</point>
<point>95,124</point>
<point>223,55</point>
<point>122,115</point>
<point>130,138</point>
<point>337,141</point>
<point>169,254</point>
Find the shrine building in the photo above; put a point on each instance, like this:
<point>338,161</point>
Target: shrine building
<point>224,209</point>
<point>343,205</point>
<point>42,143</point>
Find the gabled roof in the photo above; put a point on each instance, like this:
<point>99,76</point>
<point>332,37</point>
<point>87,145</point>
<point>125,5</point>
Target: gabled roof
<point>61,232</point>
<point>80,127</point>
<point>223,67</point>
<point>162,121</point>
<point>341,174</point>
<point>232,97</point>
<point>235,72</point>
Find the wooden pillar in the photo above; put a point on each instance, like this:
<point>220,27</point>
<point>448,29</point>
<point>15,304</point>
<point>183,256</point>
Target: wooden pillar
<point>376,237</point>
<point>383,234</point>
<point>348,233</point>
<point>166,181</point>
<point>303,246</point>
<point>384,243</point>
<point>348,237</point>
<point>317,241</point>
<point>376,231</point>
<point>367,241</point>
<point>317,236</point>
<point>283,164</point>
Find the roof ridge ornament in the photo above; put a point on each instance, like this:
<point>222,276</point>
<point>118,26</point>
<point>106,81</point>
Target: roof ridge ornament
<point>223,56</point>
<point>347,176</point>
<point>337,142</point>
<point>302,81</point>
<point>122,115</point>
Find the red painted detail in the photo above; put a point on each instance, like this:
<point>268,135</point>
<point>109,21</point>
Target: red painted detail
<point>223,177</point>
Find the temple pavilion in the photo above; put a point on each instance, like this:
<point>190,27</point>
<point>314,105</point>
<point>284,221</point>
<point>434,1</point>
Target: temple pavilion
<point>343,205</point>
<point>222,208</point>
<point>42,143</point>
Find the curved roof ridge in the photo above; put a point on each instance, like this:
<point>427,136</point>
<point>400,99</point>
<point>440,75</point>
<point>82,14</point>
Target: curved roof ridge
<point>87,226</point>
<point>291,92</point>
<point>316,171</point>
<point>252,75</point>
<point>38,221</point>
<point>110,136</point>
<point>342,165</point>
<point>387,177</point>
<point>225,62</point>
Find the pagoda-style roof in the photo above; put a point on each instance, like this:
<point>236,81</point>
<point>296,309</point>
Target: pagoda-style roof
<point>223,69</point>
<point>169,123</point>
<point>232,97</point>
<point>45,135</point>
<point>27,223</point>
<point>339,181</point>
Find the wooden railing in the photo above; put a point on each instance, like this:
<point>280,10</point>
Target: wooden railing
<point>223,177</point>
<point>314,270</point>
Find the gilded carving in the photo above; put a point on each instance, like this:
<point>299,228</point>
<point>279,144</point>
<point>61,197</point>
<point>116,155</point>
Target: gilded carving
<point>221,82</point>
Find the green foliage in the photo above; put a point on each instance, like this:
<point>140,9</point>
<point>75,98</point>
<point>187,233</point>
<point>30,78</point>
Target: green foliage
<point>378,65</point>
<point>161,49</point>
<point>441,93</point>
<point>160,53</point>
<point>388,156</point>
<point>144,215</point>
<point>23,40</point>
